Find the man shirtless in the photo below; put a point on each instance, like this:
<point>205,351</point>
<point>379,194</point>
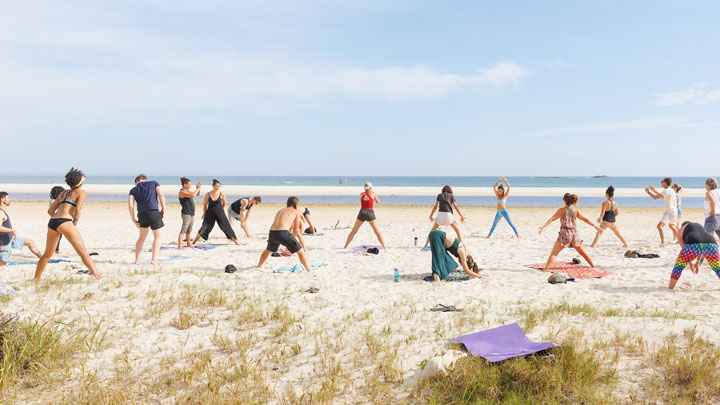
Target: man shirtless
<point>288,222</point>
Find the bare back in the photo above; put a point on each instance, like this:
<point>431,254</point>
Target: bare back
<point>286,219</point>
<point>66,204</point>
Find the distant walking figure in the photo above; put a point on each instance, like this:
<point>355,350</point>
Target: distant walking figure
<point>609,210</point>
<point>501,213</point>
<point>367,213</point>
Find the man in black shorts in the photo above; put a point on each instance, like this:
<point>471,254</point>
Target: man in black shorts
<point>286,220</point>
<point>146,195</point>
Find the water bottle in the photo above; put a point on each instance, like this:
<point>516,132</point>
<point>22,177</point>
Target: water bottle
<point>397,275</point>
<point>416,241</point>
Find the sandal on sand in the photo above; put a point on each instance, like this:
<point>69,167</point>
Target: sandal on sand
<point>312,290</point>
<point>444,308</point>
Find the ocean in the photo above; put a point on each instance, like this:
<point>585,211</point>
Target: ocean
<point>396,181</point>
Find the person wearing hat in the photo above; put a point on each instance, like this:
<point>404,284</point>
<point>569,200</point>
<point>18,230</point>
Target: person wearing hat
<point>366,214</point>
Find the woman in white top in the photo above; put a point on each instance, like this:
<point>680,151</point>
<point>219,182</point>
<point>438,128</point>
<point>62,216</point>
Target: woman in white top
<point>712,199</point>
<point>678,199</point>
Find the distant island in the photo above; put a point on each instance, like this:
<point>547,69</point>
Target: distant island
<point>600,177</point>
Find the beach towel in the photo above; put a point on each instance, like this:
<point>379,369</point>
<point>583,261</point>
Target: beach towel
<point>425,249</point>
<point>49,261</point>
<point>453,276</point>
<point>442,263</point>
<point>297,267</point>
<point>577,271</point>
<point>7,289</point>
<point>201,247</point>
<point>358,250</point>
<point>501,343</point>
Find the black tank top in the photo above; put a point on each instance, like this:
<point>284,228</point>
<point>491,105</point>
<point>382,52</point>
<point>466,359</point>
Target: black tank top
<point>188,206</point>
<point>609,215</point>
<point>6,237</point>
<point>696,233</point>
<point>214,203</point>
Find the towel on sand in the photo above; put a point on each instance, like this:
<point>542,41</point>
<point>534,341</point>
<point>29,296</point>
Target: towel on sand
<point>501,343</point>
<point>453,276</point>
<point>357,250</point>
<point>297,267</point>
<point>573,270</point>
<point>201,247</point>
<point>49,261</point>
<point>7,289</point>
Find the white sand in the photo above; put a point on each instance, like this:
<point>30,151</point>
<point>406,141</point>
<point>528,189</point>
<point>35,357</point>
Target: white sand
<point>171,190</point>
<point>357,299</point>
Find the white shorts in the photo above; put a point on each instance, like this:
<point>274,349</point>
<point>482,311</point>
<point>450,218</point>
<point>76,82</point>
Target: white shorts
<point>444,218</point>
<point>669,217</point>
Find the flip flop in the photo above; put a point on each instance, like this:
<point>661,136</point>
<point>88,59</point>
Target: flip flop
<point>444,308</point>
<point>312,290</point>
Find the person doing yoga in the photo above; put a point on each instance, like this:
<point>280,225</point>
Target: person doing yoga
<point>240,207</point>
<point>65,214</point>
<point>442,263</point>
<point>286,226</point>
<point>9,239</point>
<point>214,211</point>
<point>568,235</point>
<point>712,209</point>
<point>696,243</point>
<point>54,194</point>
<point>609,210</point>
<point>367,213</point>
<point>187,210</point>
<point>445,201</point>
<point>146,195</point>
<point>502,194</point>
<point>670,214</point>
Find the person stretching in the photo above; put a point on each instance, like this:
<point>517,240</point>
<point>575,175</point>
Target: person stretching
<point>286,220</point>
<point>442,263</point>
<point>65,214</point>
<point>446,201</point>
<point>712,209</point>
<point>54,194</point>
<point>146,195</point>
<point>9,239</point>
<point>669,217</point>
<point>367,198</point>
<point>609,210</point>
<point>696,242</point>
<point>237,208</point>
<point>501,213</point>
<point>187,210</point>
<point>213,211</point>
<point>306,218</point>
<point>568,235</point>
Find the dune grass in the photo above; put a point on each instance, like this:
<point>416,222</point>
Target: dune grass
<point>567,374</point>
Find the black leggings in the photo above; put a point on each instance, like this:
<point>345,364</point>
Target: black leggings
<point>213,215</point>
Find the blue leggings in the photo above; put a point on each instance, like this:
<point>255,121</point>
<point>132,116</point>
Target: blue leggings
<point>498,216</point>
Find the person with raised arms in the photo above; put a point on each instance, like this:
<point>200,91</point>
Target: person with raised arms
<point>187,210</point>
<point>65,214</point>
<point>286,227</point>
<point>502,194</point>
<point>670,214</point>
<point>146,195</point>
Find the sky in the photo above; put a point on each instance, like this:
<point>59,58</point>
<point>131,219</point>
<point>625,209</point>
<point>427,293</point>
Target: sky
<point>360,87</point>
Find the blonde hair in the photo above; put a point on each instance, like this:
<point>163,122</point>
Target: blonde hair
<point>368,186</point>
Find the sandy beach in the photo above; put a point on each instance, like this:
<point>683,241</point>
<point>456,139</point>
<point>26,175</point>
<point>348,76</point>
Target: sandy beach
<point>176,331</point>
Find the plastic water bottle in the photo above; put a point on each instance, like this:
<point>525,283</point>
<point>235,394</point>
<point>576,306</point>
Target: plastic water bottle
<point>397,275</point>
<point>416,241</point>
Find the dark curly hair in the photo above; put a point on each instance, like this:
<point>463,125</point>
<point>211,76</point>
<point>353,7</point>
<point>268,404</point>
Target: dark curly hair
<point>56,191</point>
<point>610,191</point>
<point>73,177</point>
<point>447,189</point>
<point>570,199</point>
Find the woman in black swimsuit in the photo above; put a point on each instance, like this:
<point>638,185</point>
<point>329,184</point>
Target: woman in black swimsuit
<point>65,213</point>
<point>608,211</point>
<point>214,211</point>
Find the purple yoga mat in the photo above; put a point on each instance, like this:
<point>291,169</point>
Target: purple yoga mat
<point>501,343</point>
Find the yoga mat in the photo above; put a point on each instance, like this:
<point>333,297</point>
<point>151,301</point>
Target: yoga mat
<point>501,343</point>
<point>577,271</point>
<point>453,276</point>
<point>201,247</point>
<point>297,267</point>
<point>49,261</point>
<point>357,250</point>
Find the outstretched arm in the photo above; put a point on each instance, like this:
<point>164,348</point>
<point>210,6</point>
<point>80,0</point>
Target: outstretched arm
<point>507,192</point>
<point>584,219</point>
<point>650,190</point>
<point>463,263</point>
<point>557,215</point>
<point>375,197</point>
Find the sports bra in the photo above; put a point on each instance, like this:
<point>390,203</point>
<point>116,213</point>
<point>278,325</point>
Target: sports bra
<point>366,204</point>
<point>68,200</point>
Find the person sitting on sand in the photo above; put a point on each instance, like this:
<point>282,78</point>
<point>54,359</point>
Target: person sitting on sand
<point>54,194</point>
<point>669,217</point>
<point>367,213</point>
<point>146,195</point>
<point>696,243</point>
<point>65,214</point>
<point>712,209</point>
<point>9,239</point>
<point>445,201</point>
<point>214,211</point>
<point>609,210</point>
<point>501,213</point>
<point>568,235</point>
<point>237,208</point>
<point>187,210</point>
<point>442,263</point>
<point>285,228</point>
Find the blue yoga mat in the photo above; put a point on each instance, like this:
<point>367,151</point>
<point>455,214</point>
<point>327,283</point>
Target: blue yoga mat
<point>49,261</point>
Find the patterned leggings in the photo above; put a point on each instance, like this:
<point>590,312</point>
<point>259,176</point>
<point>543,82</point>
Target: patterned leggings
<point>689,253</point>
<point>500,215</point>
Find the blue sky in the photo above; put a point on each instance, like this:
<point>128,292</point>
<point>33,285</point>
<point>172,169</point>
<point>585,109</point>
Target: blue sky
<point>360,87</point>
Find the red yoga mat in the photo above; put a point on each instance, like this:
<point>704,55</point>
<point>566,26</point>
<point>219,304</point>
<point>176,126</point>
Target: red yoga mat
<point>572,269</point>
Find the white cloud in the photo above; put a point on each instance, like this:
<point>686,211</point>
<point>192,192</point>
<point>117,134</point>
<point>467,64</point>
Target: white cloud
<point>650,123</point>
<point>697,93</point>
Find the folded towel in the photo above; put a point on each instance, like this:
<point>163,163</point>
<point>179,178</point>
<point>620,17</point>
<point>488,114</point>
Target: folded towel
<point>297,267</point>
